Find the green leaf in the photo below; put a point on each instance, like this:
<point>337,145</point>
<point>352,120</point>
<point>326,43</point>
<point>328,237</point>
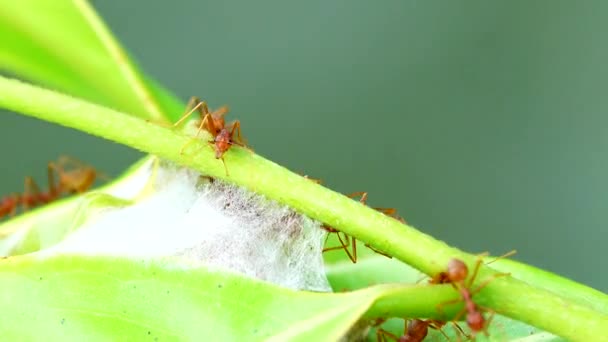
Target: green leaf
<point>65,45</point>
<point>99,299</point>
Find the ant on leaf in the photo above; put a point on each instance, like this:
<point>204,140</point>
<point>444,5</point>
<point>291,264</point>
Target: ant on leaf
<point>73,177</point>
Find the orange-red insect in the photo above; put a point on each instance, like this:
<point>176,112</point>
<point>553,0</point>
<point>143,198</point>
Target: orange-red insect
<point>456,274</point>
<point>65,176</point>
<point>224,135</point>
<point>9,204</point>
<point>414,331</point>
<point>74,176</point>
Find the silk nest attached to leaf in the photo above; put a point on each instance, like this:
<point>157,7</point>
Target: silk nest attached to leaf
<point>201,222</point>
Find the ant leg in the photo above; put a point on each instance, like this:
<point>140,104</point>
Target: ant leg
<point>210,125</point>
<point>59,187</point>
<point>361,194</point>
<point>387,211</point>
<point>325,242</point>
<point>475,270</point>
<point>440,306</point>
<point>459,331</point>
<point>383,335</point>
<point>50,171</point>
<point>206,119</point>
<point>344,246</point>
<point>506,255</point>
<point>30,194</point>
<point>437,327</point>
<point>392,212</point>
<point>194,104</point>
<point>238,140</point>
<point>354,243</point>
<point>375,250</point>
<point>487,281</point>
<point>235,127</point>
<point>225,167</point>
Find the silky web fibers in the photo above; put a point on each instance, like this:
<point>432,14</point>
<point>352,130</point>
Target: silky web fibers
<point>211,223</point>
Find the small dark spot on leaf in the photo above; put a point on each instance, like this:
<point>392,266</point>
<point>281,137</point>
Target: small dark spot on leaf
<point>62,321</point>
<point>167,291</point>
<point>40,278</point>
<point>219,286</point>
<point>149,332</point>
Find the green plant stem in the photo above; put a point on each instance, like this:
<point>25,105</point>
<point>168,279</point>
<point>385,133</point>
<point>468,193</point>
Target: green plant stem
<point>566,288</point>
<point>505,295</point>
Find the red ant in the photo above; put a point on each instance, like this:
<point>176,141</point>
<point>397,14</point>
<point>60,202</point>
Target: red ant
<point>414,331</point>
<point>74,177</point>
<point>8,205</point>
<point>457,274</point>
<point>214,123</point>
<point>346,240</point>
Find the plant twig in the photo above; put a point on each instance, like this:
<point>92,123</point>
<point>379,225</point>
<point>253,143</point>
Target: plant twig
<point>505,295</point>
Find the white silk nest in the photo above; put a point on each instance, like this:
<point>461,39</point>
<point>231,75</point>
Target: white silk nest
<point>211,223</point>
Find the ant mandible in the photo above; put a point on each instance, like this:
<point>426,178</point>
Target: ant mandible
<point>224,136</point>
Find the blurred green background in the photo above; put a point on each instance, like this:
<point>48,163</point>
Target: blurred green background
<point>483,123</point>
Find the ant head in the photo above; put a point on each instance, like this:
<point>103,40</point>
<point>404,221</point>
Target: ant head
<point>221,143</point>
<point>457,270</point>
<point>475,321</point>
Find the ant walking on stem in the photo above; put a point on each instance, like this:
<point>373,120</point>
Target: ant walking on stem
<point>347,240</point>
<point>224,135</point>
<point>457,274</point>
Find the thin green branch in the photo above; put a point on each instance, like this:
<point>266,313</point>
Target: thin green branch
<point>117,53</point>
<point>505,295</point>
<point>566,288</point>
